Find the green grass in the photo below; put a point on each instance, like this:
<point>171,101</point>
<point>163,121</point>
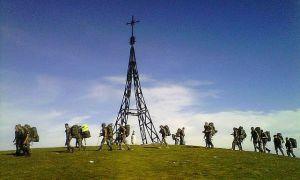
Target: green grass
<point>147,162</point>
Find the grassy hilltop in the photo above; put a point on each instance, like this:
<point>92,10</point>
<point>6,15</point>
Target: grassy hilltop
<point>147,162</point>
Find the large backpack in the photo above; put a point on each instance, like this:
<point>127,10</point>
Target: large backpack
<point>258,130</point>
<point>268,135</point>
<point>178,132</point>
<point>243,134</point>
<point>168,133</point>
<point>279,135</point>
<point>127,132</point>
<point>293,142</point>
<point>75,131</point>
<point>34,135</point>
<point>214,131</point>
<point>110,130</point>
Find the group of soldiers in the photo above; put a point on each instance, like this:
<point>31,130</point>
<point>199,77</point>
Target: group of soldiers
<point>106,133</point>
<point>24,135</point>
<point>178,137</point>
<point>260,139</point>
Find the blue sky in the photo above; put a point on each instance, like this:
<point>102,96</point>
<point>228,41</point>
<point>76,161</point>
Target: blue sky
<point>66,61</point>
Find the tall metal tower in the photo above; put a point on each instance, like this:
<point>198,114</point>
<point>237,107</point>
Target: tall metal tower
<point>141,111</point>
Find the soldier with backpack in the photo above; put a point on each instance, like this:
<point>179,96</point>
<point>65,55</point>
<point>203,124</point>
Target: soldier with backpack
<point>17,140</point>
<point>24,135</point>
<point>255,138</point>
<point>208,133</point>
<point>265,137</point>
<point>68,137</point>
<point>163,133</point>
<point>236,139</point>
<point>181,136</point>
<point>277,144</point>
<point>289,146</point>
<point>123,132</point>
<point>106,137</point>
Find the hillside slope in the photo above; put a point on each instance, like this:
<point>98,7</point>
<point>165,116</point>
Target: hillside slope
<point>147,162</point>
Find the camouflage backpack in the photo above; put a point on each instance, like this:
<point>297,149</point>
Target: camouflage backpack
<point>178,132</point>
<point>279,135</point>
<point>34,135</point>
<point>243,134</point>
<point>168,133</point>
<point>268,135</point>
<point>293,142</point>
<point>75,131</point>
<point>110,130</point>
<point>214,131</point>
<point>127,132</point>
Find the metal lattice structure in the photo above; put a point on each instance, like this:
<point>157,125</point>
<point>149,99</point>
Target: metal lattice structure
<point>145,122</point>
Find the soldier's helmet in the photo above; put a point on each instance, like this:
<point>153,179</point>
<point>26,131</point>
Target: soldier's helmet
<point>103,124</point>
<point>206,123</point>
<point>241,127</point>
<point>252,128</point>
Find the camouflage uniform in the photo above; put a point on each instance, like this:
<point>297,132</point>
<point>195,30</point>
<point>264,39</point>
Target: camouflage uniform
<point>175,139</point>
<point>264,140</point>
<point>122,137</point>
<point>163,133</point>
<point>255,139</point>
<point>106,138</point>
<point>18,139</point>
<point>68,137</point>
<point>278,144</point>
<point>26,141</point>
<point>182,134</point>
<point>208,135</point>
<point>289,148</point>
<point>236,140</point>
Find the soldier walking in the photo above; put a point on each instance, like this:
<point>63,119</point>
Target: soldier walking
<point>106,137</point>
<point>122,137</point>
<point>255,138</point>
<point>289,147</point>
<point>17,140</point>
<point>236,139</point>
<point>68,137</point>
<point>208,135</point>
<point>278,144</point>
<point>182,134</point>
<point>264,139</point>
<point>163,133</point>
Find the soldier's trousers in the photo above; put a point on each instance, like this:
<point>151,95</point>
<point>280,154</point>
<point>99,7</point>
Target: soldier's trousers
<point>209,143</point>
<point>290,152</point>
<point>68,141</point>
<point>107,141</point>
<point>163,141</point>
<point>182,141</point>
<point>265,148</point>
<point>123,141</point>
<point>276,150</point>
<point>238,144</point>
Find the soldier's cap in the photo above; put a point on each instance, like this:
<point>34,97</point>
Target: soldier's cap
<point>66,124</point>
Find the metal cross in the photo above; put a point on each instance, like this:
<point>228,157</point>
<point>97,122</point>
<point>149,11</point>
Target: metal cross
<point>132,23</point>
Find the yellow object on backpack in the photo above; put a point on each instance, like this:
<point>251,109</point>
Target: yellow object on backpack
<point>84,128</point>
